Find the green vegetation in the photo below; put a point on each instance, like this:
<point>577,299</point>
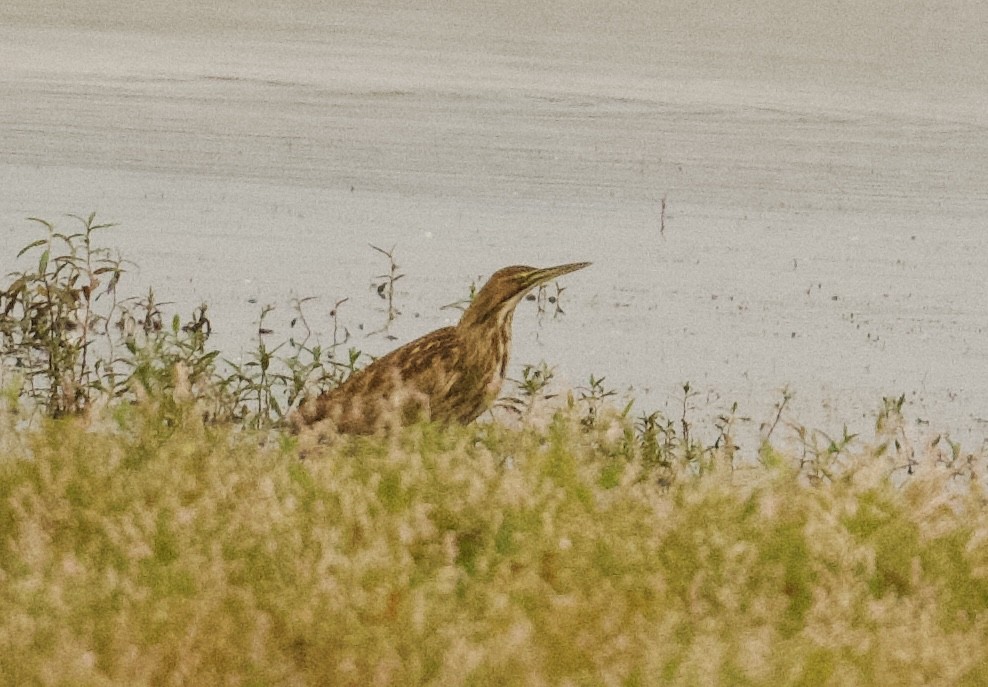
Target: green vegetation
<point>158,527</point>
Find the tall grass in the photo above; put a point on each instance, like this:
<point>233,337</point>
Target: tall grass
<point>148,538</point>
<point>179,553</point>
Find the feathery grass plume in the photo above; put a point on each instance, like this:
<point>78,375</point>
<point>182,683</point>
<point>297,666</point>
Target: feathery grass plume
<point>169,550</point>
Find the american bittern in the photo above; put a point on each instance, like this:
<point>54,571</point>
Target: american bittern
<point>450,375</point>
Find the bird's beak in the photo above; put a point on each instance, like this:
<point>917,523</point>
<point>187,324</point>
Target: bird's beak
<point>540,276</point>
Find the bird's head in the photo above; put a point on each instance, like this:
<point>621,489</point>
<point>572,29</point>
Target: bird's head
<point>496,301</point>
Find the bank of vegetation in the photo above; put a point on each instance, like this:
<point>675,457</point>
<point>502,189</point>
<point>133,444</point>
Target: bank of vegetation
<point>159,526</point>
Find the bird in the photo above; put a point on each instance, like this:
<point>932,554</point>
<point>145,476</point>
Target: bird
<point>451,375</point>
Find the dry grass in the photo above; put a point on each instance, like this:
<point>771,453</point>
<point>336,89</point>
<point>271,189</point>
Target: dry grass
<point>168,552</point>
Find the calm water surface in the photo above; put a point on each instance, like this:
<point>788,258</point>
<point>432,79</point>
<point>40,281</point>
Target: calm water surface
<point>826,184</point>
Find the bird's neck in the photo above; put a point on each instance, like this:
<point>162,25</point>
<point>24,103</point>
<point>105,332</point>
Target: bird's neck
<point>490,344</point>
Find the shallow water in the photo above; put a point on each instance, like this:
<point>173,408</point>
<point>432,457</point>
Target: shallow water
<point>826,182</point>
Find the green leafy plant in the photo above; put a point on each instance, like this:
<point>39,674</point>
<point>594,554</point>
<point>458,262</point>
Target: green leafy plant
<point>53,315</point>
<point>530,390</point>
<point>591,399</point>
<point>166,362</point>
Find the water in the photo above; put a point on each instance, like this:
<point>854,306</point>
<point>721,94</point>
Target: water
<point>826,183</point>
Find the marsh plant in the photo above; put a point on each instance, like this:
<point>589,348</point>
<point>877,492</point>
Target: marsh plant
<point>55,314</point>
<point>69,340</point>
<point>531,391</point>
<point>384,285</point>
<point>547,297</point>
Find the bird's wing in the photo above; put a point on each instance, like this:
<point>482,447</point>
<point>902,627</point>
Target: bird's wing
<point>405,381</point>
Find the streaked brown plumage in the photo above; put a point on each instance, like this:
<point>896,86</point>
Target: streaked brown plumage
<point>450,375</point>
